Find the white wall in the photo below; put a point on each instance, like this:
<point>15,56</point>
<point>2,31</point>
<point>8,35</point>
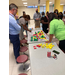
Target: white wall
<point>29,11</point>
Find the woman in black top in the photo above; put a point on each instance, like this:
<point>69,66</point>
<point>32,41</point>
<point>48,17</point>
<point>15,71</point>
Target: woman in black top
<point>44,22</point>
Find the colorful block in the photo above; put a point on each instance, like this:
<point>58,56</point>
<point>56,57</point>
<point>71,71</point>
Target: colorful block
<point>40,44</point>
<point>43,46</point>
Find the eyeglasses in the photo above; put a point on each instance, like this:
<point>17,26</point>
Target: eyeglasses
<point>16,10</point>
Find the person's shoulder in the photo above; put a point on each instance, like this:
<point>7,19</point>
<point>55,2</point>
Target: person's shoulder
<point>21,18</point>
<point>42,18</point>
<point>54,21</point>
<point>34,13</point>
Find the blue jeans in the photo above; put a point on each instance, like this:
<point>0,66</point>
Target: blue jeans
<point>16,44</point>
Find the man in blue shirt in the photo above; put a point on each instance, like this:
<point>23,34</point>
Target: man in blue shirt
<point>14,29</point>
<point>37,18</point>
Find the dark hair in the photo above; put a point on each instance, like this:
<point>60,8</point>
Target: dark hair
<point>43,13</point>
<point>60,15</point>
<point>52,16</point>
<point>12,5</point>
<point>26,16</point>
<point>23,12</point>
<point>55,11</point>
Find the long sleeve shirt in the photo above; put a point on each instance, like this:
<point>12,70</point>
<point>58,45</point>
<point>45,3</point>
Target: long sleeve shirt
<point>36,15</point>
<point>14,28</point>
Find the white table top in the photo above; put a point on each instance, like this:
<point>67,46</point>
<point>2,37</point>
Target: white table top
<point>32,32</point>
<point>42,65</point>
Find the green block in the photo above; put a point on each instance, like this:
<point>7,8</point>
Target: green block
<point>32,38</point>
<point>36,39</point>
<point>35,32</point>
<point>38,31</point>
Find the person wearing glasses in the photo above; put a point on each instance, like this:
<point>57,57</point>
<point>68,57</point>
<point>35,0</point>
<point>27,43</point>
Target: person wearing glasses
<point>14,29</point>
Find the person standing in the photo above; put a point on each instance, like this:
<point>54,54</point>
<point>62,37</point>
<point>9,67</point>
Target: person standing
<point>57,28</point>
<point>14,29</point>
<point>56,12</point>
<point>63,17</point>
<point>22,23</point>
<point>37,17</point>
<point>26,22</point>
<point>45,23</point>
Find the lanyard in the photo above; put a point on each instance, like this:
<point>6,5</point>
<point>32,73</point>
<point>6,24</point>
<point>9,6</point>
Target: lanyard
<point>11,14</point>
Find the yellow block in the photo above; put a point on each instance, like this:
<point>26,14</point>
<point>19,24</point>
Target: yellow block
<point>43,46</point>
<point>40,44</point>
<point>51,46</point>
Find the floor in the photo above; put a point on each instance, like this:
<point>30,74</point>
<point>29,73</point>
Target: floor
<point>15,69</point>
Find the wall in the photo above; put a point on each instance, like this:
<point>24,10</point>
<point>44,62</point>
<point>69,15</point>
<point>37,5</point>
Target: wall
<point>29,11</point>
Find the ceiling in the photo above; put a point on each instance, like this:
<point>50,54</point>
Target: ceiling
<point>33,2</point>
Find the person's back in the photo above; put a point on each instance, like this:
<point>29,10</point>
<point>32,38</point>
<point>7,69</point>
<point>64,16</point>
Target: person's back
<point>58,28</point>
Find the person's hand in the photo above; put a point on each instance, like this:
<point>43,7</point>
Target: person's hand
<point>47,42</point>
<point>47,28</point>
<point>29,30</point>
<point>36,18</point>
<point>16,16</point>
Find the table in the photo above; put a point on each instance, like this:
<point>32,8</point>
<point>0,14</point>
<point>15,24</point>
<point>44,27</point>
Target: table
<point>43,65</point>
<point>32,32</point>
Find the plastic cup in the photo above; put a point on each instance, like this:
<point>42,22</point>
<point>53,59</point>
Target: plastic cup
<point>48,54</point>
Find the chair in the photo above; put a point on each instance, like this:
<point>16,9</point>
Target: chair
<point>23,41</point>
<point>25,35</point>
<point>22,59</point>
<point>24,49</point>
<point>22,74</point>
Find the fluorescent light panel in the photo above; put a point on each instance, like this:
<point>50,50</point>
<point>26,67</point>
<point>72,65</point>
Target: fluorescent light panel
<point>50,2</point>
<point>24,2</point>
<point>61,4</point>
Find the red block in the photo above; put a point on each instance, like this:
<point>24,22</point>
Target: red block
<point>38,45</point>
<point>34,47</point>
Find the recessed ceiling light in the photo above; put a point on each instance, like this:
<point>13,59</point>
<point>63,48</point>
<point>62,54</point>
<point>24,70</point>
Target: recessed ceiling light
<point>24,0</point>
<point>61,4</point>
<point>50,2</point>
<point>25,3</point>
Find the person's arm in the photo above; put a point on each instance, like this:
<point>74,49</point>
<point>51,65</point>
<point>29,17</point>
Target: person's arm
<point>50,38</point>
<point>34,17</point>
<point>42,21</point>
<point>51,32</point>
<point>26,28</point>
<point>15,25</point>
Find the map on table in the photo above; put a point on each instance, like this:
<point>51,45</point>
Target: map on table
<point>38,36</point>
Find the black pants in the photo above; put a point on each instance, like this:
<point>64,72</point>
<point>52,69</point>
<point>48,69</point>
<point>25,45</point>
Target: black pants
<point>62,45</point>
